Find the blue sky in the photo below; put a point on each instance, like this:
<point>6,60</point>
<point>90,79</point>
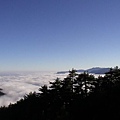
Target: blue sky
<point>59,34</point>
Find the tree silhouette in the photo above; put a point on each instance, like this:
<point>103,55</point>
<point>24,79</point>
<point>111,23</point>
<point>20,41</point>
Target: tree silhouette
<point>78,96</point>
<point>84,83</point>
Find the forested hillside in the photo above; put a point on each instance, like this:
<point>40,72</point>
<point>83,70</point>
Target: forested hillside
<point>78,96</point>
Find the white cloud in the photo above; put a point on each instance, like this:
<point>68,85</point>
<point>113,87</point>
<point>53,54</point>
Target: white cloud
<point>17,84</point>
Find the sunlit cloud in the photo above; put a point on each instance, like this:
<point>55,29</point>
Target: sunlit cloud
<point>16,85</point>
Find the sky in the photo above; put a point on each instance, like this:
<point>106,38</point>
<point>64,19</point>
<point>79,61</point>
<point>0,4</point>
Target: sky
<point>42,35</point>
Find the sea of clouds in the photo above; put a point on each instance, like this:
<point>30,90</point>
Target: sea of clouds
<point>17,84</point>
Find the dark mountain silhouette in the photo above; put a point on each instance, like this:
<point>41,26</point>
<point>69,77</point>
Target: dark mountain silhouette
<point>95,70</point>
<point>62,72</point>
<point>98,70</point>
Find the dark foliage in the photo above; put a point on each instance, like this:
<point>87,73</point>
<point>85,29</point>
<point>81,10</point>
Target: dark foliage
<point>78,96</point>
<point>1,93</point>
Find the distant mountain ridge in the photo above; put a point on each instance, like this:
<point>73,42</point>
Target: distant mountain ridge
<point>94,70</point>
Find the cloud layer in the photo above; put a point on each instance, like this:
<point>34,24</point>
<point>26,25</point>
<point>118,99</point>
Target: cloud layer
<point>17,84</point>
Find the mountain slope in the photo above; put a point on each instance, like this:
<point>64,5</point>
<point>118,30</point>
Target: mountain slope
<point>95,70</point>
